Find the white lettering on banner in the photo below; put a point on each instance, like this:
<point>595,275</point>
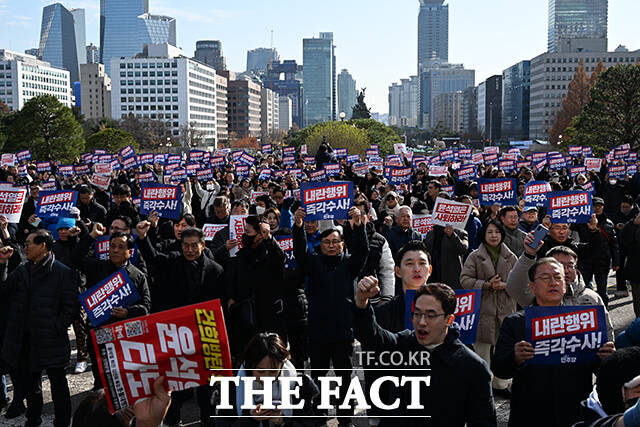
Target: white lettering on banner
<point>66,196</point>
<point>159,193</point>
<point>286,244</point>
<point>112,300</point>
<point>422,224</point>
<point>561,324</point>
<point>106,290</point>
<point>156,205</point>
<point>210,230</point>
<point>569,200</point>
<point>464,304</point>
<point>322,194</point>
<point>537,189</point>
<point>592,340</point>
<point>326,207</point>
<point>236,229</point>
<point>494,187</point>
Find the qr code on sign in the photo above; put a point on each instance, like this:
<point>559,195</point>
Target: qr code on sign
<point>103,335</point>
<point>133,329</point>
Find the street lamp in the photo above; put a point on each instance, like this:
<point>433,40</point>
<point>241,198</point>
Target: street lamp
<point>342,116</point>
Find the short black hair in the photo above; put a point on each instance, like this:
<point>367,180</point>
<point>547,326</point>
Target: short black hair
<point>127,221</point>
<point>240,202</point>
<point>442,293</point>
<point>482,235</point>
<point>43,236</point>
<point>505,209</point>
<point>618,368</point>
<point>265,345</point>
<point>221,201</point>
<point>534,268</point>
<point>562,250</point>
<point>435,183</point>
<point>128,237</point>
<point>192,232</point>
<point>254,221</point>
<point>412,245</point>
<point>86,189</point>
<point>93,411</point>
<point>122,190</point>
<point>330,231</point>
<point>188,218</point>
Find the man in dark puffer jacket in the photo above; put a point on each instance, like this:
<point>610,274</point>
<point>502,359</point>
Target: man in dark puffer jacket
<point>43,294</point>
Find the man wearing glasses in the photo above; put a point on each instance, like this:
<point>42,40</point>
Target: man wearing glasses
<point>331,280</point>
<point>459,392</point>
<point>548,395</point>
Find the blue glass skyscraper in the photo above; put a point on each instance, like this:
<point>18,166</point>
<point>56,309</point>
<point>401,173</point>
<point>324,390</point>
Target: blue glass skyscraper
<point>126,25</point>
<point>58,40</point>
<point>578,25</point>
<point>433,32</point>
<point>516,91</point>
<point>318,84</point>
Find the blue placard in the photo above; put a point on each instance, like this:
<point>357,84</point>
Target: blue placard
<point>159,158</point>
<point>446,154</point>
<point>286,244</point>
<point>340,153</point>
<point>130,163</point>
<point>43,167</point>
<point>205,174</point>
<point>617,171</point>
<point>164,199</point>
<point>535,193</point>
<point>507,166</point>
<point>127,151</point>
<point>288,151</point>
<point>242,171</point>
<point>179,176</point>
<point>196,155</point>
<point>465,153</point>
<point>267,148</point>
<point>247,158</point>
<point>399,176</point>
<point>557,163</point>
<point>265,175</point>
<point>66,170</point>
<point>24,155</point>
<point>565,334</point>
<point>332,169</point>
<point>173,158</point>
<point>318,176</point>
<point>353,158</point>
<point>326,200</point>
<point>217,162</point>
<point>467,173</point>
<point>570,207</point>
<point>577,170</point>
<point>114,291</point>
<point>501,190</point>
<point>490,159</point>
<point>297,172</point>
<point>192,169</point>
<point>288,161</point>
<point>467,312</point>
<point>145,159</point>
<point>309,160</point>
<point>146,177</point>
<point>56,203</point>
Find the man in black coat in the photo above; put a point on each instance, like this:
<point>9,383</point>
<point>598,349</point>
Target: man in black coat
<point>331,276</point>
<point>541,395</point>
<point>90,209</point>
<point>459,392</point>
<point>43,302</point>
<point>183,278</point>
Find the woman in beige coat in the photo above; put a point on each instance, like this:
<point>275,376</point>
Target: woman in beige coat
<point>487,268</point>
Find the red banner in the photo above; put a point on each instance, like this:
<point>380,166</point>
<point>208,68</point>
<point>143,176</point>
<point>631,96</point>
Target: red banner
<point>186,345</point>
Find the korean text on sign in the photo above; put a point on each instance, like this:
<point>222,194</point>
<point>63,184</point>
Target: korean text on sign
<point>448,212</point>
<point>571,207</point>
<point>565,334</point>
<point>467,314</point>
<point>164,199</point>
<point>327,200</point>
<point>501,191</point>
<point>114,291</point>
<point>11,203</point>
<point>186,345</point>
<point>56,203</point>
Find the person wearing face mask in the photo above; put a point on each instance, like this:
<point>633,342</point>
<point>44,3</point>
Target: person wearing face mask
<point>221,243</point>
<point>207,197</point>
<point>183,278</point>
<point>263,203</point>
<point>487,268</point>
<point>613,192</point>
<point>254,285</point>
<point>243,190</point>
<point>453,366</point>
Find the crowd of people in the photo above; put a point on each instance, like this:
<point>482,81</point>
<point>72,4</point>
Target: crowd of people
<point>348,283</point>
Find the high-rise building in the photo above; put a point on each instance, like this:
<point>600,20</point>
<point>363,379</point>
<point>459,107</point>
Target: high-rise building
<point>244,103</point>
<point>258,60</point>
<point>289,87</point>
<point>578,25</point>
<point>221,108</point>
<point>95,89</point>
<point>81,34</point>
<point>93,54</point>
<point>551,74</point>
<point>126,25</point>
<point>447,110</point>
<point>58,40</point>
<point>285,113</point>
<point>210,52</point>
<point>395,91</point>
<point>269,112</point>
<point>163,84</point>
<point>440,78</point>
<point>318,79</point>
<point>470,110</point>
<point>33,52</point>
<point>516,91</point>
<point>23,77</point>
<point>433,32</point>
<point>490,107</point>
<point>346,93</point>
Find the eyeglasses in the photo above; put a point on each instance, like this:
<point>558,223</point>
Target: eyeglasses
<point>429,315</point>
<point>330,242</point>
<point>546,279</point>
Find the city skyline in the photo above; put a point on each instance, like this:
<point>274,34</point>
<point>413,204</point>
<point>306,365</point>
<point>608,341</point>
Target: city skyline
<point>376,56</point>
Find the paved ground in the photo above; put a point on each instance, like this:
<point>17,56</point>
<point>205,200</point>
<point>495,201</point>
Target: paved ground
<point>621,313</point>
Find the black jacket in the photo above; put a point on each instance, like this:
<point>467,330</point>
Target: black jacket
<point>173,285</point>
<point>43,302</point>
<point>97,270</point>
<point>460,391</point>
<point>630,243</point>
<point>331,285</point>
<point>397,237</point>
<point>94,211</point>
<point>606,253</point>
<point>585,248</point>
<point>541,395</point>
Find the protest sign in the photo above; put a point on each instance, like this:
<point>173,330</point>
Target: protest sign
<point>192,169</point>
<point>465,153</point>
<point>56,203</point>
<point>164,199</point>
<point>159,158</point>
<point>507,166</point>
<point>399,176</point>
<point>535,193</point>
<point>24,155</point>
<point>309,160</point>
<point>577,170</point>
<point>352,158</point>
<point>422,224</point>
<point>491,159</point>
<point>565,334</point>
<point>286,244</point>
<point>247,158</point>
<point>265,174</point>
<point>243,171</point>
<point>145,159</point>
<point>467,172</point>
<point>318,176</point>
<point>210,230</point>
<point>127,151</point>
<point>217,162</point>
<point>130,163</point>
<point>114,291</point>
<point>43,167</point>
<point>371,152</point>
<point>66,170</point>
<point>438,170</point>
<point>491,150</point>
<point>178,176</point>
<point>340,153</point>
<point>186,345</point>
<point>297,172</point>
<point>477,158</point>
<point>102,168</point>
<point>11,203</point>
<point>205,174</point>
<point>8,159</point>
<point>571,207</point>
<point>501,191</point>
<point>575,150</point>
<point>256,194</point>
<point>617,171</point>
<point>50,185</point>
<point>327,200</point>
<point>288,151</point>
<point>266,148</point>
<point>332,169</point>
<point>236,230</point>
<point>146,177</point>
<point>448,212</point>
<point>174,159</point>
<point>196,156</point>
<point>557,163</point>
<point>509,156</point>
<point>101,181</point>
<point>303,149</point>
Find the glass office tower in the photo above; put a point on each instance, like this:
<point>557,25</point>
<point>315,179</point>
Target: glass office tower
<point>433,32</point>
<point>577,25</point>
<point>318,89</point>
<point>58,40</point>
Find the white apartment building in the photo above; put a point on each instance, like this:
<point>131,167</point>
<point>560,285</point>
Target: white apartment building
<point>95,91</point>
<point>285,113</point>
<point>221,108</point>
<point>269,112</point>
<point>163,84</point>
<point>23,77</point>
